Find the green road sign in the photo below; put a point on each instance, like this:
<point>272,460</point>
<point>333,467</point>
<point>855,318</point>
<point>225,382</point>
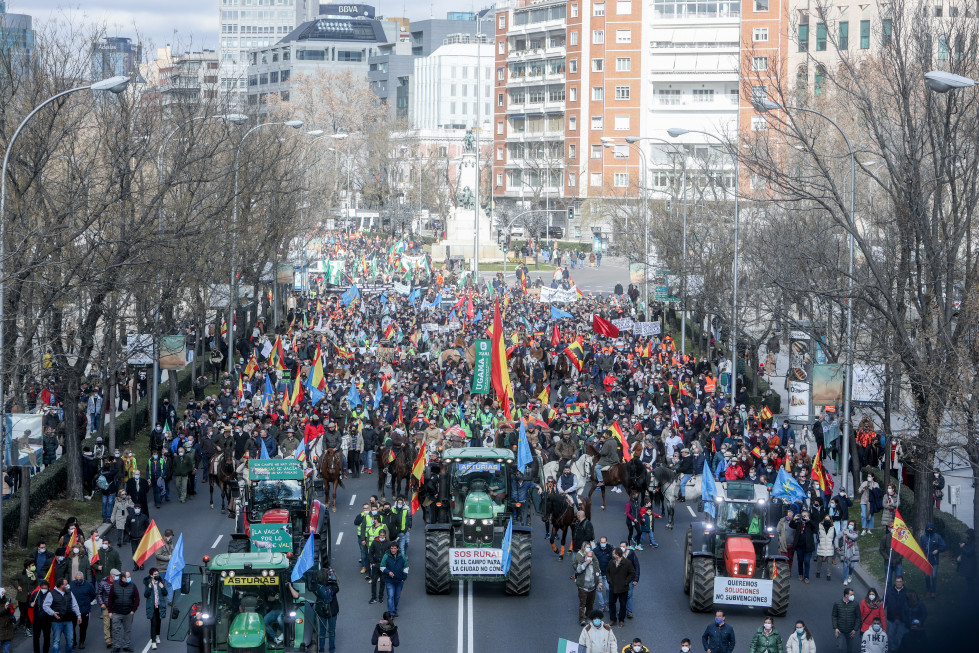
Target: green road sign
<point>270,538</point>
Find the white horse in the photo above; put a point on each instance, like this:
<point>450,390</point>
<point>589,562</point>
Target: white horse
<point>581,468</point>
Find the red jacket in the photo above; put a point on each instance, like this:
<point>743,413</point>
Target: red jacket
<point>311,432</point>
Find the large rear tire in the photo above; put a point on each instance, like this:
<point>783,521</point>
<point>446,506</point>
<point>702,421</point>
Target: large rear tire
<point>781,574</point>
<point>437,562</point>
<point>686,561</point>
<point>518,578</point>
<point>701,584</point>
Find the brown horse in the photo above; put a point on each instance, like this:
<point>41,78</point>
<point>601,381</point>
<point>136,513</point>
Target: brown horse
<point>221,472</point>
<point>559,515</point>
<point>614,475</point>
<point>398,467</point>
<point>331,471</point>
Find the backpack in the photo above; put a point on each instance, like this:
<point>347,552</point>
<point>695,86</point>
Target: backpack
<point>326,605</point>
<point>384,643</point>
<point>102,482</point>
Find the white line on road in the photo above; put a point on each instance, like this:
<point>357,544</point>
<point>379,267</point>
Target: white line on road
<point>461,644</point>
<point>339,537</point>
<point>215,545</point>
<point>469,618</point>
<point>147,647</point>
<point>353,497</point>
<point>692,513</point>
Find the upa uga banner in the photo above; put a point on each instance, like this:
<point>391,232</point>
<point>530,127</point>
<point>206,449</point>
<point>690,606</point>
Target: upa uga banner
<point>481,369</point>
<point>753,592</point>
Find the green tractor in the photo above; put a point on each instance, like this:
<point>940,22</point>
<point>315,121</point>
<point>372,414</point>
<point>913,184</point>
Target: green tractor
<point>732,558</point>
<point>466,538</point>
<point>242,603</point>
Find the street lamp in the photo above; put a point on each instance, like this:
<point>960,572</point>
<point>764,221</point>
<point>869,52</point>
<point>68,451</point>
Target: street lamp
<point>676,132</point>
<point>609,141</point>
<point>114,85</point>
<point>943,82</point>
<point>937,81</point>
<point>232,297</point>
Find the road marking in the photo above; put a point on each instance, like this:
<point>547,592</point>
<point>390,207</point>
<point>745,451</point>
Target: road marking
<point>692,513</point>
<point>460,643</point>
<point>339,537</point>
<point>215,545</point>
<point>469,618</point>
<point>353,497</point>
<point>147,647</point>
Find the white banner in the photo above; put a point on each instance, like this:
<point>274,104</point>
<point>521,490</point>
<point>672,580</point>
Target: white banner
<point>743,591</point>
<point>475,562</point>
<point>647,328</point>
<point>868,383</point>
<point>548,295</point>
<point>429,327</point>
<point>402,288</point>
<point>624,324</point>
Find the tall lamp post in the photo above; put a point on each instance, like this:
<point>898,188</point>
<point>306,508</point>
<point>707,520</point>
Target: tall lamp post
<point>676,132</point>
<point>764,105</point>
<point>609,141</point>
<point>236,118</point>
<point>233,296</point>
<point>113,84</point>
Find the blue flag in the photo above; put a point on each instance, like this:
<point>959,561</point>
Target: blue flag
<point>524,457</point>
<point>316,395</point>
<point>452,315</point>
<point>558,314</point>
<point>263,451</point>
<point>305,561</point>
<point>437,301</point>
<point>349,295</point>
<point>507,545</point>
<point>175,570</point>
<point>384,298</point>
<point>353,397</point>
<point>479,316</point>
<point>377,396</point>
<point>268,391</point>
<point>787,487</point>
<point>708,490</point>
<point>413,296</point>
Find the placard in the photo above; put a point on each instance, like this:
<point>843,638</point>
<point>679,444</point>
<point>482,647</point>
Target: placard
<point>647,328</point>
<point>475,562</point>
<point>624,324</point>
<point>753,592</point>
<point>270,538</point>
<point>559,295</point>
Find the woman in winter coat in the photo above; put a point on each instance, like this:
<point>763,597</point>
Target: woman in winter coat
<point>826,546</point>
<point>385,627</point>
<point>871,607</point>
<point>766,639</point>
<point>891,503</point>
<point>849,550</point>
<point>120,512</point>
<point>866,509</point>
<point>800,640</point>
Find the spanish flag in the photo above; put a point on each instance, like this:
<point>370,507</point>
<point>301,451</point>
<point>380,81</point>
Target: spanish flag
<point>95,550</point>
<point>766,413</point>
<point>386,384</point>
<point>545,395</point>
<point>277,355</point>
<point>573,409</point>
<point>904,543</point>
<point>152,540</point>
<point>418,468</point>
<point>343,353</point>
<point>415,503</point>
<point>251,367</point>
<point>499,374</point>
<point>575,353</point>
<point>389,331</point>
<point>316,378</point>
<point>819,474</point>
<point>618,435</point>
<point>297,393</point>
<point>647,351</point>
<point>241,388</point>
<point>50,575</point>
<point>224,328</point>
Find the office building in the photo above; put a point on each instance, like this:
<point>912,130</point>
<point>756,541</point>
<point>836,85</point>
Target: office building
<point>445,91</point>
<point>116,55</point>
<point>16,37</point>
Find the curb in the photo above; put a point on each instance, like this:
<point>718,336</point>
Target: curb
<point>864,577</point>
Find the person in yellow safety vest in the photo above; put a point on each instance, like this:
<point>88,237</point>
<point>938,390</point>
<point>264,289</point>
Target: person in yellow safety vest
<point>400,524</point>
<point>363,523</point>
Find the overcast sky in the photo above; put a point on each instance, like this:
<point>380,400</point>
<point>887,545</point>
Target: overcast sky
<point>195,22</point>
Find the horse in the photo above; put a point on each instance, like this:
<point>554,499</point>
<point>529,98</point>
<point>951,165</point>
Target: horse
<point>666,490</point>
<point>581,467</point>
<point>221,472</point>
<point>399,468</point>
<point>331,471</point>
<point>614,475</point>
<point>560,514</point>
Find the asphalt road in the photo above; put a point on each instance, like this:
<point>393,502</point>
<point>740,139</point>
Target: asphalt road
<point>590,280</point>
<point>479,617</point>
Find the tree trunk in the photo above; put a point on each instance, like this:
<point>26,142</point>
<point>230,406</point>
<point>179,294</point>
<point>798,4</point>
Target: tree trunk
<point>72,444</point>
<point>25,504</point>
<point>174,394</point>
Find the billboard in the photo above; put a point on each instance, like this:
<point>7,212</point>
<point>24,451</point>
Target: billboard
<point>827,384</point>
<point>868,384</point>
<point>139,349</point>
<point>173,352</point>
<point>799,378</point>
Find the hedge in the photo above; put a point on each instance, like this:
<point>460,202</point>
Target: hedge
<point>51,482</point>
<point>946,525</point>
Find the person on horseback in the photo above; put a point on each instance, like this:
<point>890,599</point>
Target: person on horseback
<point>567,485</point>
<point>565,449</point>
<point>609,456</point>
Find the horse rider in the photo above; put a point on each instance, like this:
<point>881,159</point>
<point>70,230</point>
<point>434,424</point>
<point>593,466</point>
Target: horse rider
<point>567,484</point>
<point>608,456</point>
<point>648,454</point>
<point>565,449</point>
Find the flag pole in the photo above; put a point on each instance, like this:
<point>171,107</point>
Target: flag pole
<point>887,575</point>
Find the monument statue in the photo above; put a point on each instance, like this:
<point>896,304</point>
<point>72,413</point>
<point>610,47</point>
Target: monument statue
<point>466,199</point>
<point>469,142</point>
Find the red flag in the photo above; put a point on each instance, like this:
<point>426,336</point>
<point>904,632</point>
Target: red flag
<point>603,327</point>
<point>904,543</point>
<point>470,313</point>
<point>555,337</point>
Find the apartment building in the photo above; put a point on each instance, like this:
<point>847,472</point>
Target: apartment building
<point>446,90</point>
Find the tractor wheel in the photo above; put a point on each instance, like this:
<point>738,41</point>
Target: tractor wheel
<point>686,561</point>
<point>701,584</point>
<point>238,546</point>
<point>518,578</point>
<point>240,522</point>
<point>781,574</point>
<point>437,562</point>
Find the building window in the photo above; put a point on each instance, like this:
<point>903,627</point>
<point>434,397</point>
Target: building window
<point>499,74</point>
<point>759,93</point>
<point>502,22</point>
<point>501,47</point>
<point>597,122</point>
<point>620,152</point>
<point>622,93</point>
<point>596,151</point>
<point>598,9</point>
<point>623,7</point>
<point>758,123</point>
<point>757,182</point>
<point>622,123</point>
<point>274,77</point>
<point>595,179</point>
<point>572,151</point>
<point>886,31</point>
<point>621,179</point>
<point>803,38</point>
<point>573,123</point>
<point>820,37</point>
<point>556,94</point>
<point>844,40</point>
<point>597,93</point>
<point>761,5</point>
<point>759,34</point>
<point>499,179</point>
<point>703,95</point>
<point>817,80</point>
<point>623,64</point>
<point>668,96</point>
<point>574,38</point>
<point>573,66</point>
<point>597,65</point>
<point>864,34</point>
<point>759,64</point>
<point>573,94</point>
<point>499,127</point>
<point>571,179</point>
<point>598,36</point>
<point>284,75</point>
<point>499,153</point>
<point>574,10</point>
<point>499,99</point>
<point>623,36</point>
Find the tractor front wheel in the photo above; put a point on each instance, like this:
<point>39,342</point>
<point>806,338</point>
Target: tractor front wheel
<point>781,574</point>
<point>686,561</point>
<point>701,584</point>
<point>518,578</point>
<point>437,562</point>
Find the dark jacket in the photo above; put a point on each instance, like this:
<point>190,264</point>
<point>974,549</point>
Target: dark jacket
<point>634,559</point>
<point>396,564</point>
<point>846,616</point>
<point>377,550</point>
<point>603,556</point>
<point>388,629</point>
<point>161,597</point>
<point>136,525</point>
<point>84,593</point>
<point>719,639</point>
<point>620,575</point>
<point>894,602</point>
<point>123,598</point>
<point>583,532</point>
<point>805,537</point>
<point>108,560</point>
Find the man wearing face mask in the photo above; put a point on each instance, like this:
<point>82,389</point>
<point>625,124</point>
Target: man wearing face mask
<point>375,554</point>
<point>399,524</point>
<point>635,647</point>
<point>84,592</point>
<point>719,636</point>
<point>138,489</point>
<point>102,598</point>
<point>685,645</point>
<point>875,639</point>
<point>183,467</point>
<point>934,546</point>
<point>587,575</point>
<point>123,602</point>
<point>846,623</point>
<point>62,610</point>
<point>603,552</point>
<point>597,636</point>
<point>137,522</point>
